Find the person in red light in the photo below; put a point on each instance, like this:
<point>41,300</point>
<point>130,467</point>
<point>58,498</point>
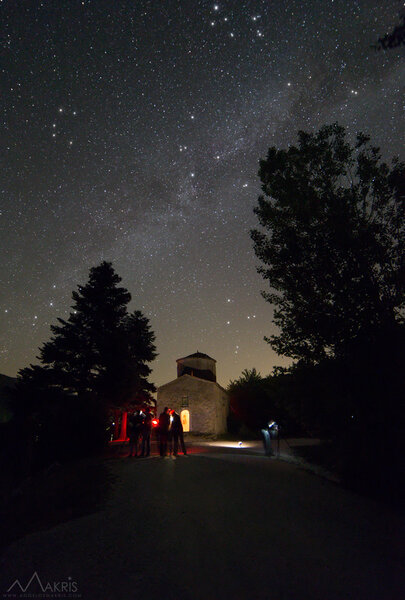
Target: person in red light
<point>164,425</point>
<point>177,434</point>
<point>146,429</point>
<point>136,422</point>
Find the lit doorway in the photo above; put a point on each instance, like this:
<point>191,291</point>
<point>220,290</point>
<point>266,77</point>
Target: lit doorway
<point>185,420</point>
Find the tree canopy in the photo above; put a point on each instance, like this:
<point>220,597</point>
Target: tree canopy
<point>248,399</point>
<point>101,350</point>
<point>331,243</point>
<point>254,400</point>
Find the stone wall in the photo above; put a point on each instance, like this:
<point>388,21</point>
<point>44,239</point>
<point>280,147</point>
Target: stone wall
<point>207,403</point>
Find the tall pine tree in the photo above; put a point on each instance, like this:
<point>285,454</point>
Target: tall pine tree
<point>101,349</point>
<point>98,359</point>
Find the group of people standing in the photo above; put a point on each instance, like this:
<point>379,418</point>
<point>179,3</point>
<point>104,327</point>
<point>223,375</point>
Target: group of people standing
<point>140,428</point>
<point>169,431</point>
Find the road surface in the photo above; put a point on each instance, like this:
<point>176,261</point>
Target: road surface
<point>218,524</point>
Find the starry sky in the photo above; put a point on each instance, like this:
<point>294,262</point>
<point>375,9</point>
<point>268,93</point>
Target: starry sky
<point>131,132</point>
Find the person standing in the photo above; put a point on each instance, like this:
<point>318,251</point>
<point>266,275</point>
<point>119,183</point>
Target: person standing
<point>164,425</point>
<point>267,432</point>
<point>135,431</point>
<point>177,433</point>
<point>146,431</point>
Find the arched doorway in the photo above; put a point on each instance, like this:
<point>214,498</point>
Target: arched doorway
<point>185,420</point>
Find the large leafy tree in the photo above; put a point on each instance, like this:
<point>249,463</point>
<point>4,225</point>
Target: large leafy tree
<point>249,402</point>
<point>101,351</point>
<point>254,400</point>
<point>331,243</point>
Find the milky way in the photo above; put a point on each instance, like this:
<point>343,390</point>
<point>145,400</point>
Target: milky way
<point>132,131</point>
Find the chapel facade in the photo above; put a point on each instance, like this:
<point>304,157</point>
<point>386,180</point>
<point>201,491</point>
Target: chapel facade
<point>201,402</point>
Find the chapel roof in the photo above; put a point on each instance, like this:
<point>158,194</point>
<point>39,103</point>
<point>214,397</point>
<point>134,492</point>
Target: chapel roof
<point>186,376</point>
<point>197,355</point>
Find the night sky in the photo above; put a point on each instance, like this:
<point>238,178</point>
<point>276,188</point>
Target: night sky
<point>131,132</point>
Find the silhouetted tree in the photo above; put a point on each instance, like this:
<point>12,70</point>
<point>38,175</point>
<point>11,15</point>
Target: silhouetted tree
<point>97,359</point>
<point>333,243</point>
<point>253,401</point>
<point>247,397</point>
<point>333,253</point>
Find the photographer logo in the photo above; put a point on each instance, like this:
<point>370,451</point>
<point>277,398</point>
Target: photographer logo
<point>35,588</point>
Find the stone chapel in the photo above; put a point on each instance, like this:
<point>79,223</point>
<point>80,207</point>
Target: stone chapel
<point>201,402</point>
